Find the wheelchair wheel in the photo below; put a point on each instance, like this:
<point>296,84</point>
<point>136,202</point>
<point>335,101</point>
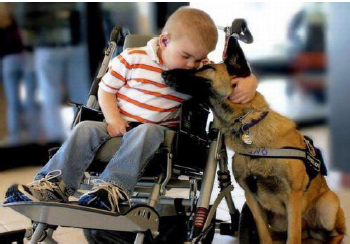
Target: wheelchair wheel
<point>248,233</point>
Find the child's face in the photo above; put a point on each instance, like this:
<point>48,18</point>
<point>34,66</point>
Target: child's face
<point>182,54</point>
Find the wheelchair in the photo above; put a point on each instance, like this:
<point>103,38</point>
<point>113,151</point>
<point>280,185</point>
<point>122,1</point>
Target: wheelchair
<point>188,159</point>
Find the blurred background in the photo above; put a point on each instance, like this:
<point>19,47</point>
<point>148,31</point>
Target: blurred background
<point>50,52</point>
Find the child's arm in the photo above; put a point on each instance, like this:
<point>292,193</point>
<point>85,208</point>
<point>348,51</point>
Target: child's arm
<point>243,89</point>
<point>116,125</point>
<point>111,83</point>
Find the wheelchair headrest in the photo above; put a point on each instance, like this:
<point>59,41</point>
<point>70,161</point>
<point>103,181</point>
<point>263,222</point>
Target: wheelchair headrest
<point>136,40</point>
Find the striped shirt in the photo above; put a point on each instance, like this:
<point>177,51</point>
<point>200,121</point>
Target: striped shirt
<point>142,96</point>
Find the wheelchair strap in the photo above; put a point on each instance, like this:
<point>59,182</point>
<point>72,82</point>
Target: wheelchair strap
<point>311,156</point>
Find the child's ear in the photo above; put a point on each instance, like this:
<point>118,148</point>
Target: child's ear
<point>163,40</point>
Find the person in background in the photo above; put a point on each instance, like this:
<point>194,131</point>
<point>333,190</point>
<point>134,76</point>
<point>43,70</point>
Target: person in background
<point>17,69</point>
<point>61,59</point>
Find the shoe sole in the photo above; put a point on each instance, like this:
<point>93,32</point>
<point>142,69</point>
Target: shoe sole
<point>92,202</point>
<point>18,193</point>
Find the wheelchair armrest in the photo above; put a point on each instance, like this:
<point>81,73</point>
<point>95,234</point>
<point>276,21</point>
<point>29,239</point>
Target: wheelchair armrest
<point>91,114</point>
<point>169,139</point>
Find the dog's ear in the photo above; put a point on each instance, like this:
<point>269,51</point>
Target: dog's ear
<point>235,60</point>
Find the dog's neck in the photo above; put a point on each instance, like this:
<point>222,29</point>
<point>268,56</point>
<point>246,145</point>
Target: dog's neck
<point>228,112</point>
<point>232,117</point>
<point>263,133</point>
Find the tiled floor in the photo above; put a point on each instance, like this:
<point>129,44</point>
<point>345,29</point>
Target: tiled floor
<point>10,220</point>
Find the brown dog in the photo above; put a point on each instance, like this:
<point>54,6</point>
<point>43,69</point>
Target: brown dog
<point>281,194</point>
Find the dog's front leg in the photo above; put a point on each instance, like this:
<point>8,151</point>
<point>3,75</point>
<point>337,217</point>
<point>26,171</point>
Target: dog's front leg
<point>294,217</point>
<point>259,218</point>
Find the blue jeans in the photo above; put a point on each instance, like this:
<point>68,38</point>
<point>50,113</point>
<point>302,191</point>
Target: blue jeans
<point>58,68</point>
<point>123,170</point>
<point>18,69</point>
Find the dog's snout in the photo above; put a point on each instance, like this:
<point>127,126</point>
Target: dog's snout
<point>165,74</point>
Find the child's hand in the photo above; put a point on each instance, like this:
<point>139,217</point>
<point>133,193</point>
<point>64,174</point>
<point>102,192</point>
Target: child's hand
<point>117,127</point>
<point>243,89</point>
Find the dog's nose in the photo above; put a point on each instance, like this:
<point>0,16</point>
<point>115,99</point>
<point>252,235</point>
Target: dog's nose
<point>165,74</point>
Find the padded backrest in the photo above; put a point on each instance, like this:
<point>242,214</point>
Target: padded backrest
<point>136,40</point>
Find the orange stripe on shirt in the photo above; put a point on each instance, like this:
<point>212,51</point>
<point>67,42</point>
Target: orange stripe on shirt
<point>143,105</point>
<point>113,88</point>
<point>137,51</point>
<point>147,67</point>
<point>117,75</point>
<point>138,118</point>
<point>123,61</point>
<point>139,66</point>
<point>157,94</point>
<point>146,81</point>
<point>133,51</point>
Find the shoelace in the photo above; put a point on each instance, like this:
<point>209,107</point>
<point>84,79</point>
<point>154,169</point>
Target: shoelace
<point>115,193</point>
<point>45,183</point>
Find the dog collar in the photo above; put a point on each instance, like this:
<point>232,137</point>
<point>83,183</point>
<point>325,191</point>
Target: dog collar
<point>246,127</point>
<point>240,129</point>
<point>240,118</point>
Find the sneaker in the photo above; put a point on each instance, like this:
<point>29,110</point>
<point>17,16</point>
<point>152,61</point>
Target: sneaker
<point>47,189</point>
<point>104,196</point>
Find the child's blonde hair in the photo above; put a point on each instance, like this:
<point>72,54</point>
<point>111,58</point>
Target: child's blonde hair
<point>194,24</point>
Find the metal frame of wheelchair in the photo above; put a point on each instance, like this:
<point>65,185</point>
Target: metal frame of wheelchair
<point>143,217</point>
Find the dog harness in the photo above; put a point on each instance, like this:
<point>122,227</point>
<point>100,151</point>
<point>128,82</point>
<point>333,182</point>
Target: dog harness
<point>311,156</point>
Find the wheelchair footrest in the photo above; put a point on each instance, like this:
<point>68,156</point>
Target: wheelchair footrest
<point>140,218</point>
